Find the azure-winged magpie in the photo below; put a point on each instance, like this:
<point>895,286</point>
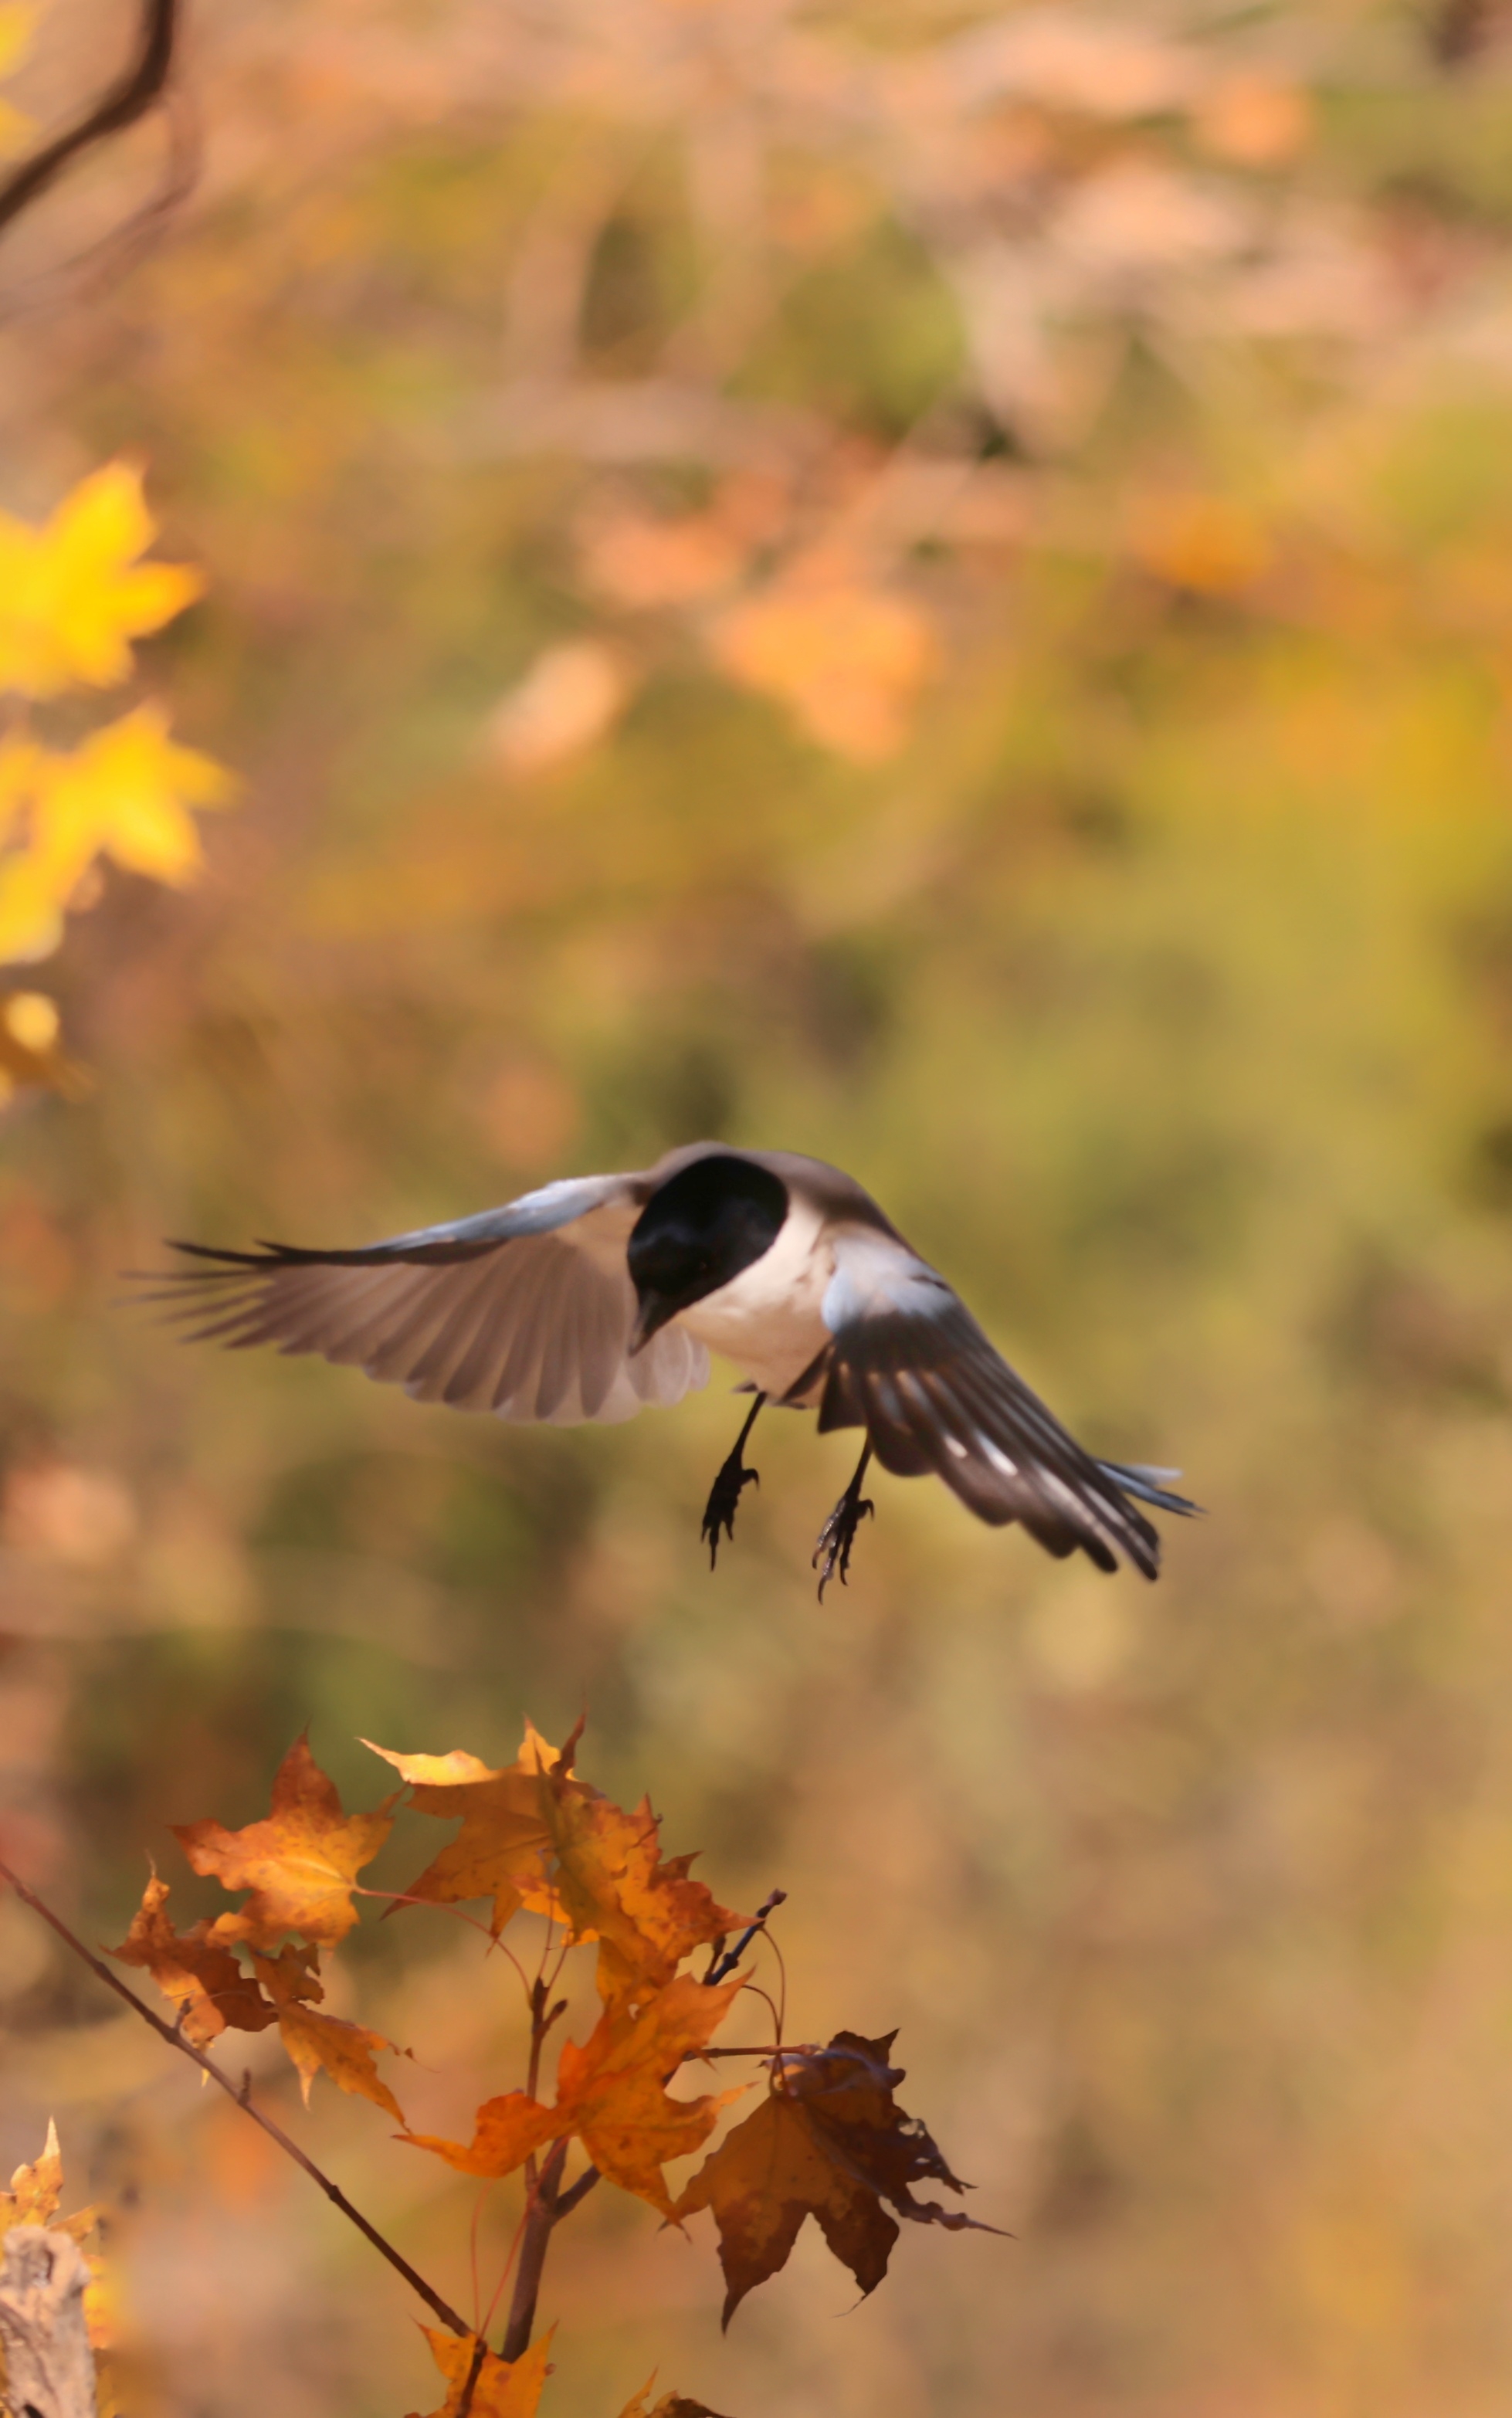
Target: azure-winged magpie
<point>602,1292</point>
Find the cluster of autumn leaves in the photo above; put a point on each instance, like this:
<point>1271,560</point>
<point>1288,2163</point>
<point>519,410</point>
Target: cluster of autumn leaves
<point>73,595</point>
<point>826,2137</point>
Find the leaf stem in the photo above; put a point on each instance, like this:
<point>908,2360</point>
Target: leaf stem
<point>241,2093</point>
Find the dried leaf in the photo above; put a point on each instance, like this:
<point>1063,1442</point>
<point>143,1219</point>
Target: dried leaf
<point>316,2043</point>
<point>503,2388</point>
<point>300,1864</point>
<point>828,2142</point>
<point>504,1837</point>
<point>611,2093</point>
<point>508,2129</point>
<point>72,594</point>
<point>671,2405</point>
<point>35,2191</point>
<point>202,1978</point>
<point>568,699</point>
<point>848,658</point>
<point>613,1886</point>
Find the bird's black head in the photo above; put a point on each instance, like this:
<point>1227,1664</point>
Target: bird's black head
<point>698,1230</point>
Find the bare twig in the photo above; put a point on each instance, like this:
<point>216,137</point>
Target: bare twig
<point>138,87</point>
<point>720,1965</point>
<point>241,2093</point>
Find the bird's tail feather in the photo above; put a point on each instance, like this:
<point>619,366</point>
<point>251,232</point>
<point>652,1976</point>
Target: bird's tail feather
<point>1138,1479</point>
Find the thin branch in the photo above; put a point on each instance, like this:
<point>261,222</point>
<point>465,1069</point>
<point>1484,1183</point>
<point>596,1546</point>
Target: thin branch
<point>241,2093</point>
<point>722,1964</point>
<point>133,94</point>
<point>533,2248</point>
<point>579,2191</point>
<point>696,2056</point>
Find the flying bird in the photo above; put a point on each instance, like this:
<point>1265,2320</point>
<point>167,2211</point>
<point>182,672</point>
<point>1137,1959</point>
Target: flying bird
<point>598,1294</point>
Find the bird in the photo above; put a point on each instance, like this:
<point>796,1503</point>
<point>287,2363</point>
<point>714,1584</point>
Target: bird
<point>598,1294</point>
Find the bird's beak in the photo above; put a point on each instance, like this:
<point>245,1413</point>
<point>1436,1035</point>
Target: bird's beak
<point>653,1311</point>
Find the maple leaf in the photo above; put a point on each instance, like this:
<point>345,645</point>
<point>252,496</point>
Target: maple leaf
<point>72,594</point>
<point>16,24</point>
<point>671,2405</point>
<point>646,1914</point>
<point>828,2142</point>
<point>124,793</point>
<point>848,659</point>
<point>612,2094</point>
<point>202,1978</point>
<point>501,1850</point>
<point>506,2132</point>
<point>316,2043</point>
<point>300,1864</point>
<point>502,2389</point>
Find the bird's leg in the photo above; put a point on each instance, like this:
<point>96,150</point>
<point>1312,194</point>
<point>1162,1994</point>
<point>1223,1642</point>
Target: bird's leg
<point>838,1533</point>
<point>726,1492</point>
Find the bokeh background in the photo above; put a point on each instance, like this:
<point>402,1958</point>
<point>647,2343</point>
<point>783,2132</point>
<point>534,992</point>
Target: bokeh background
<point>922,582</point>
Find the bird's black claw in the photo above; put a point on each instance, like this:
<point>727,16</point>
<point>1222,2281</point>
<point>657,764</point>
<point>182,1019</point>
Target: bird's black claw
<point>725,1501</point>
<point>839,1535</point>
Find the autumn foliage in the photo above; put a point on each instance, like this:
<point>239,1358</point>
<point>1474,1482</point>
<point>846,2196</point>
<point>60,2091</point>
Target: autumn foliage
<point>824,2138</point>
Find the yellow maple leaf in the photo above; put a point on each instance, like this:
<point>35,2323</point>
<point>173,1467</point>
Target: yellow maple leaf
<point>72,594</point>
<point>16,24</point>
<point>501,2389</point>
<point>124,793</point>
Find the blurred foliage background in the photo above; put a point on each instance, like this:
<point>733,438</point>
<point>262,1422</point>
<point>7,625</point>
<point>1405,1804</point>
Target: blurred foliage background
<point>927,583</point>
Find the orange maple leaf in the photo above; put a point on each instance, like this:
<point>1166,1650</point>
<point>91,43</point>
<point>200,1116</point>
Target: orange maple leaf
<point>828,2142</point>
<point>646,1914</point>
<point>505,1838</point>
<point>506,2132</point>
<point>502,2387</point>
<point>300,1864</point>
<point>203,1980</point>
<point>315,2042</point>
<point>848,658</point>
<point>611,2093</point>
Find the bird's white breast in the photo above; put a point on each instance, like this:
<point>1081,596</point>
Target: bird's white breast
<point>768,1319</point>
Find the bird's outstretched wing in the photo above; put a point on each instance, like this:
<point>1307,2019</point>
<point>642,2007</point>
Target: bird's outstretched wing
<point>524,1311</point>
<point>910,1365</point>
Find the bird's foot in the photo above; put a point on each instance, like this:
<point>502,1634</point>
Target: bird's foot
<point>725,1501</point>
<point>839,1535</point>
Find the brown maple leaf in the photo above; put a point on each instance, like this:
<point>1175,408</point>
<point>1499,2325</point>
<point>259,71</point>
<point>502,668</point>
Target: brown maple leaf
<point>501,2389</point>
<point>671,2405</point>
<point>501,1849</point>
<point>646,1914</point>
<point>316,2041</point>
<point>828,2142</point>
<point>612,2094</point>
<point>203,1980</point>
<point>300,1864</point>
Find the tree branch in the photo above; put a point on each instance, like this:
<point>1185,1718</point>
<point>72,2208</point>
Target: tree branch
<point>241,2093</point>
<point>539,2218</point>
<point>139,86</point>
